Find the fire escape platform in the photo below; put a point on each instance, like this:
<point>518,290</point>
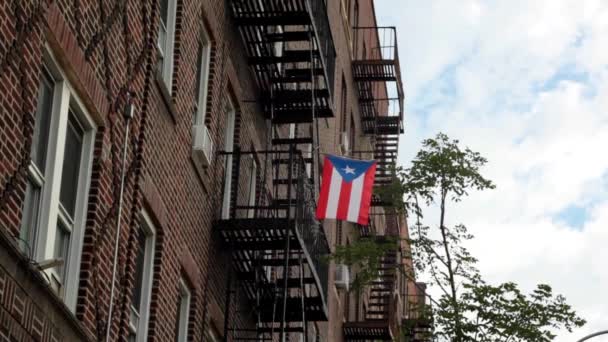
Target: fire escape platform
<point>314,310</point>
<point>366,330</point>
<point>248,236</point>
<point>270,13</point>
<point>376,70</point>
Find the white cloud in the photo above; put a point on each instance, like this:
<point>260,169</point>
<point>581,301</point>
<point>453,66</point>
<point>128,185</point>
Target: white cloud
<point>525,83</point>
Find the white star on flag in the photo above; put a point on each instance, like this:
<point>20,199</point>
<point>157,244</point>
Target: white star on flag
<point>348,169</point>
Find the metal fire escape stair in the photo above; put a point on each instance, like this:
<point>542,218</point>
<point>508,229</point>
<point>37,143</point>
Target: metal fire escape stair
<point>277,248</point>
<point>376,325</point>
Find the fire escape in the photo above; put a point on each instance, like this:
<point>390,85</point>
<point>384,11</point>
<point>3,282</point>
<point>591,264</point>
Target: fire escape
<point>376,71</point>
<point>417,323</point>
<point>276,244</point>
<point>377,74</point>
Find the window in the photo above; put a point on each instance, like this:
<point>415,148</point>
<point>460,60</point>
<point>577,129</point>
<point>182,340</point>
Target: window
<point>54,208</point>
<point>351,135</point>
<point>203,63</point>
<point>228,147</point>
<point>355,28</point>
<point>166,37</point>
<point>142,290</point>
<point>343,103</point>
<point>36,171</point>
<point>183,312</point>
<point>253,173</point>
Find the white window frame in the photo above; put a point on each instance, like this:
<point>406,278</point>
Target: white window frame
<point>204,69</point>
<point>185,297</point>
<point>65,101</point>
<point>228,147</point>
<point>165,50</point>
<point>138,321</point>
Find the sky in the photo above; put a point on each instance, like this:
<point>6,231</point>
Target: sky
<point>524,82</point>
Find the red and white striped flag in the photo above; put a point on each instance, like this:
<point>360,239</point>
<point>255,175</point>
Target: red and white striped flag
<point>346,189</point>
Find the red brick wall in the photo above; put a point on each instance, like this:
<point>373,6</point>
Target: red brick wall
<point>107,49</point>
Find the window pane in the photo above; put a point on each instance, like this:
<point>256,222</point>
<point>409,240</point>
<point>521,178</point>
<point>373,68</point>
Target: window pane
<point>164,10</point>
<point>71,165</point>
<point>43,119</point>
<point>139,270</point>
<point>62,244</point>
<point>29,229</point>
<point>183,311</point>
<point>162,30</point>
<point>199,70</point>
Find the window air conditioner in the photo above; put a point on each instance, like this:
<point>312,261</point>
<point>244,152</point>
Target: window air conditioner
<point>342,276</point>
<point>202,145</point>
<point>344,148</point>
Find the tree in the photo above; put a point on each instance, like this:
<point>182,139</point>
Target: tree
<point>468,308</point>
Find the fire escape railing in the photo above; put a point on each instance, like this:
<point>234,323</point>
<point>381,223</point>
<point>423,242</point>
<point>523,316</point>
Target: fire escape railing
<point>318,11</point>
<point>309,229</point>
<point>290,50</point>
<point>276,245</point>
<point>377,73</point>
<point>418,319</point>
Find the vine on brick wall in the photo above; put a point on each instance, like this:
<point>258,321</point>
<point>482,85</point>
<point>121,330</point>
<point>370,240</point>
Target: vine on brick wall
<point>14,58</point>
<point>118,102</point>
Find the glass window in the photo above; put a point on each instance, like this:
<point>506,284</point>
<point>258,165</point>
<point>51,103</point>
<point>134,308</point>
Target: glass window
<point>202,80</point>
<point>166,36</point>
<point>62,245</point>
<point>183,312</point>
<point>139,270</point>
<point>38,154</point>
<point>54,208</point>
<point>41,125</point>
<point>142,286</point>
<point>30,218</point>
<point>253,173</point>
<point>71,165</point>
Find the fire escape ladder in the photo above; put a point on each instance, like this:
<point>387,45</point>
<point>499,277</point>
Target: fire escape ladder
<point>379,323</point>
<point>377,73</point>
<point>276,244</point>
<point>418,318</point>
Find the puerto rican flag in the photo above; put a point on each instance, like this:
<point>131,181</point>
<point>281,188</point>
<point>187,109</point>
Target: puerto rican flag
<point>346,189</point>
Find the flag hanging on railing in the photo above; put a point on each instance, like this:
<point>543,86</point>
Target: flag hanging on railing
<point>346,189</point>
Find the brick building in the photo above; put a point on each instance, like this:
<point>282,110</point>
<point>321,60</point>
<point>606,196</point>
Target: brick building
<point>160,160</point>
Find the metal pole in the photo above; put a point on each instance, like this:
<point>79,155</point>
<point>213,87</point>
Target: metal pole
<point>603,332</point>
<point>286,251</point>
<point>128,114</point>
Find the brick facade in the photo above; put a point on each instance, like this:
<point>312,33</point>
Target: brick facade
<point>107,50</point>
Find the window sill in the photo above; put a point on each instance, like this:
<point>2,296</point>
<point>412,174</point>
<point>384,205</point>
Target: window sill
<point>166,95</point>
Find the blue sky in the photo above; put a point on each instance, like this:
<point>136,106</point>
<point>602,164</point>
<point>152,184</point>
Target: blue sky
<point>526,84</point>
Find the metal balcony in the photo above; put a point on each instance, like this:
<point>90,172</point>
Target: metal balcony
<point>418,321</point>
<point>379,322</point>
<point>276,244</point>
<point>377,73</point>
<point>291,51</point>
<point>376,57</point>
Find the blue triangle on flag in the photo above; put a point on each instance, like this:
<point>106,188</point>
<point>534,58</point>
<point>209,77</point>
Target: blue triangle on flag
<point>350,169</point>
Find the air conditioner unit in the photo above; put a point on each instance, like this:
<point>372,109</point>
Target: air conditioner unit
<point>342,276</point>
<point>202,145</point>
<point>344,148</point>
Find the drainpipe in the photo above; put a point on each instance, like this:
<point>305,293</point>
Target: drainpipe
<point>593,335</point>
<point>128,115</point>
